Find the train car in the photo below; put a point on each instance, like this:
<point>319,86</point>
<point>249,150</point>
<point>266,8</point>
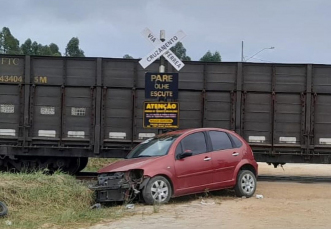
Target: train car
<point>56,112</point>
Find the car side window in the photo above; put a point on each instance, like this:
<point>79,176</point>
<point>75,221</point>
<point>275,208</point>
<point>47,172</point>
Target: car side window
<point>196,143</point>
<point>179,149</point>
<point>236,141</point>
<point>220,140</point>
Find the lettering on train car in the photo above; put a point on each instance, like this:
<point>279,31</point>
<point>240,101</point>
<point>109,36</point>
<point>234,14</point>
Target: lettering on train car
<point>11,79</point>
<point>9,61</point>
<point>40,79</point>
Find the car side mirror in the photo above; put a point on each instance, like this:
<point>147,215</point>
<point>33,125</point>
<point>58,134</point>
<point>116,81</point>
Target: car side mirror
<point>187,153</point>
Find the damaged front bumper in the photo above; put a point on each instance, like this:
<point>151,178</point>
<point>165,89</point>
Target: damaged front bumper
<point>119,186</point>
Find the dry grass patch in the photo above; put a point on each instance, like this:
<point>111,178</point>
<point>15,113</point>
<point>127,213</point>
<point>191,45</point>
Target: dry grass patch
<point>94,164</point>
<point>42,201</point>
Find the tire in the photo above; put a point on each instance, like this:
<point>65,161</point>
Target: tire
<point>82,163</point>
<point>246,184</point>
<point>157,191</point>
<point>3,209</point>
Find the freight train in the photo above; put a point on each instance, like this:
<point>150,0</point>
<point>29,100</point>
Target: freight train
<point>56,112</point>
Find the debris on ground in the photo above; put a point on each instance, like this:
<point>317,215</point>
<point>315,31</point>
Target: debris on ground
<point>129,206</point>
<point>259,196</point>
<point>206,203</point>
<point>96,206</point>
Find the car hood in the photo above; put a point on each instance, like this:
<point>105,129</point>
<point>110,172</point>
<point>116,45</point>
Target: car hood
<point>128,164</point>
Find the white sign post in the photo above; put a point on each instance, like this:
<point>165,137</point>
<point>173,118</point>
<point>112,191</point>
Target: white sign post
<point>162,49</point>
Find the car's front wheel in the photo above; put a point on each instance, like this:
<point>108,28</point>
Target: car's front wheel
<point>246,184</point>
<point>158,190</point>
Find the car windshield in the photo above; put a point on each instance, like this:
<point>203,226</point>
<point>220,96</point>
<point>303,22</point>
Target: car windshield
<point>153,147</point>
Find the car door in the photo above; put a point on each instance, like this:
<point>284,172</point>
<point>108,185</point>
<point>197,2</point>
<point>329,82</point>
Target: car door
<point>226,156</point>
<point>193,173</point>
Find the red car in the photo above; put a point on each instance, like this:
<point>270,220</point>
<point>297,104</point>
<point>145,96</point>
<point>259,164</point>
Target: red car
<point>180,163</point>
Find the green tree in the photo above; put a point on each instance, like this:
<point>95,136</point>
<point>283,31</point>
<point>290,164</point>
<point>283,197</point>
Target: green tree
<point>33,48</point>
<point>54,49</point>
<point>1,42</point>
<point>8,43</point>
<point>73,49</point>
<point>44,50</point>
<point>26,47</point>
<point>211,57</point>
<point>180,52</point>
<point>127,56</point>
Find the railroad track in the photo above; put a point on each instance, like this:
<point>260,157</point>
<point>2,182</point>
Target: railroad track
<point>300,179</point>
<point>86,175</point>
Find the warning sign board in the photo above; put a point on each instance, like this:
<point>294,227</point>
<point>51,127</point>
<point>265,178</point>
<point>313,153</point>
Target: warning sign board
<point>161,115</point>
<point>161,85</point>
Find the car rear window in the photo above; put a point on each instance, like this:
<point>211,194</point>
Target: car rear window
<point>236,141</point>
<point>195,142</point>
<point>220,140</point>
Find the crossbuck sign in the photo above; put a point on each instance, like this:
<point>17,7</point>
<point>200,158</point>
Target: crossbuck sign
<point>162,48</point>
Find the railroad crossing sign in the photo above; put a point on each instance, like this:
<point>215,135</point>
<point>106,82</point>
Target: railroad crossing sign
<point>162,48</point>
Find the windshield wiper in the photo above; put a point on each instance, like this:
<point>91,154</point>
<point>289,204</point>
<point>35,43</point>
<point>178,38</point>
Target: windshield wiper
<point>143,156</point>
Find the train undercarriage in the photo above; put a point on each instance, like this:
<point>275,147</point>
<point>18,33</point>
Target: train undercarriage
<point>70,165</point>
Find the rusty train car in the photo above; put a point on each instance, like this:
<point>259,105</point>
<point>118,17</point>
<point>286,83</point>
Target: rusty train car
<point>56,112</point>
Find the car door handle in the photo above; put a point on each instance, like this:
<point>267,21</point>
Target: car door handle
<point>207,159</point>
<point>235,154</point>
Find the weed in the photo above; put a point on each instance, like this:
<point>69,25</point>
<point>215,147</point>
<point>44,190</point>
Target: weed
<point>37,200</point>
<point>156,207</point>
<point>94,164</point>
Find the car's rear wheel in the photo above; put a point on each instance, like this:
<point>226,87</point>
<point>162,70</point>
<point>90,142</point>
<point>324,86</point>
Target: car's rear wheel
<point>157,191</point>
<point>246,184</point>
<point>3,209</point>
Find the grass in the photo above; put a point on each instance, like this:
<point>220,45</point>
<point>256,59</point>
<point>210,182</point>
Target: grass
<point>50,201</point>
<point>57,201</point>
<point>94,164</point>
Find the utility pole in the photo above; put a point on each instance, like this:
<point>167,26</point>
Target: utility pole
<point>162,66</point>
<point>162,59</point>
<point>242,51</point>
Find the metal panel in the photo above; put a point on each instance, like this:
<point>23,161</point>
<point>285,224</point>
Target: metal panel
<point>81,72</point>
<point>290,78</point>
<point>190,109</point>
<point>9,110</point>
<point>257,118</point>
<point>191,77</point>
<point>46,110</point>
<point>322,120</point>
<point>50,68</point>
<point>322,79</point>
<point>221,77</point>
<point>11,66</point>
<point>218,107</point>
<point>140,98</point>
<point>118,73</point>
<point>288,119</point>
<point>257,77</point>
<point>78,112</point>
<point>11,95</point>
<point>118,119</point>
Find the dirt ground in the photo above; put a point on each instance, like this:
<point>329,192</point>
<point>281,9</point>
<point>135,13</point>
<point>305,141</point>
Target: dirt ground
<point>284,205</point>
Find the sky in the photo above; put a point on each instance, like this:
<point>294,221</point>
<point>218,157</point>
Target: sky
<point>299,30</point>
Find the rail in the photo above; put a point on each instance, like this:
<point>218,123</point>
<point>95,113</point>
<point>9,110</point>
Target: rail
<point>270,178</point>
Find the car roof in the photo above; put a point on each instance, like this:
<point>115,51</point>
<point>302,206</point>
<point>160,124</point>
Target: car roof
<point>179,132</point>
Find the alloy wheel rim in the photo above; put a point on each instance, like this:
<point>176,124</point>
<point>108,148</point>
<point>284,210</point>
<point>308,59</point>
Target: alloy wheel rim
<point>160,191</point>
<point>247,184</point>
